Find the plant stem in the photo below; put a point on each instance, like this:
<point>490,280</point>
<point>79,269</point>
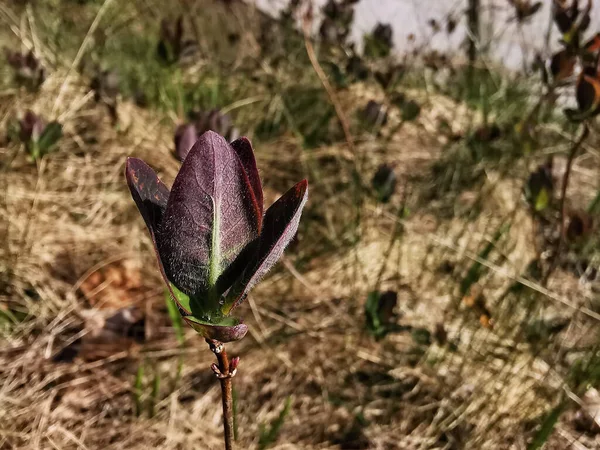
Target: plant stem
<point>473,35</point>
<point>563,209</point>
<point>225,377</point>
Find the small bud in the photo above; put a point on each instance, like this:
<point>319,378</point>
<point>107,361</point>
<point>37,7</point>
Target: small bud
<point>215,369</point>
<point>234,363</point>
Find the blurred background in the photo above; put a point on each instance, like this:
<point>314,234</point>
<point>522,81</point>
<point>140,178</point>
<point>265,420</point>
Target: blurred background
<point>443,289</point>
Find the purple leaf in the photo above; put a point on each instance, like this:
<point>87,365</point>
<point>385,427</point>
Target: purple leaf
<point>243,148</point>
<point>151,196</point>
<point>237,267</point>
<point>215,120</point>
<point>149,193</point>
<point>211,216</point>
<point>26,66</point>
<point>31,127</point>
<point>279,227</point>
<point>185,137</point>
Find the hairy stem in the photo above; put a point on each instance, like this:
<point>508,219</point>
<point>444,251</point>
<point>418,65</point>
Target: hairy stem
<point>225,373</point>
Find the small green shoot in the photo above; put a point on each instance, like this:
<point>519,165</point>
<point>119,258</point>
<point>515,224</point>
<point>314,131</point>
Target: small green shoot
<point>138,389</point>
<point>546,428</point>
<point>594,207</point>
<point>175,317</point>
<point>154,395</point>
<point>380,315</point>
<point>48,139</point>
<point>269,435</point>
<point>177,323</point>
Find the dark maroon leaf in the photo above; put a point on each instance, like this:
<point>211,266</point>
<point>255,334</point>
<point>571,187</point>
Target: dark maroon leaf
<point>172,47</point>
<point>215,120</point>
<point>211,216</point>
<point>26,66</point>
<point>564,17</point>
<point>279,227</point>
<point>584,17</point>
<point>31,61</point>
<point>450,25</point>
<point>243,148</point>
<point>31,127</point>
<point>581,224</point>
<point>237,267</point>
<point>585,22</point>
<point>588,91</point>
<point>374,114</point>
<point>387,302</point>
<point>185,138</point>
<point>562,64</point>
<point>151,196</point>
<point>148,192</point>
<point>572,20</point>
<point>585,94</point>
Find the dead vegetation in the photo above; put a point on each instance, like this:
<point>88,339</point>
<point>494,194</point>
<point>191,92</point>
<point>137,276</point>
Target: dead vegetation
<point>82,305</point>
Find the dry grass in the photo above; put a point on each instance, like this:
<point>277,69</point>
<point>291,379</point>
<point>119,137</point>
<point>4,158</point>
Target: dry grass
<point>75,252</point>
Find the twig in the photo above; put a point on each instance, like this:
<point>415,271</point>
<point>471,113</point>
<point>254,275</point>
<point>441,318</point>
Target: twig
<point>357,162</point>
<point>225,371</point>
<point>328,88</point>
<point>563,195</point>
